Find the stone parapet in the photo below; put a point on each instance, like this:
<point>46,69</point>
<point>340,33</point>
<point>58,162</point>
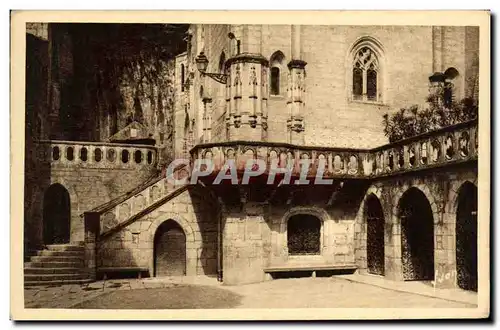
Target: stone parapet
<point>96,155</point>
<point>450,145</point>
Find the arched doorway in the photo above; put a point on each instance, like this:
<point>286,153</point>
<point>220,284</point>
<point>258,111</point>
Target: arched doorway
<point>417,236</point>
<point>466,237</point>
<point>304,235</point>
<point>375,236</point>
<point>56,215</point>
<point>169,250</point>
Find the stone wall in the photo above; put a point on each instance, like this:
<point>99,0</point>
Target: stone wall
<point>337,240</point>
<point>245,239</point>
<point>441,190</point>
<point>331,117</point>
<point>36,116</point>
<point>254,234</point>
<point>133,246</point>
<point>89,183</point>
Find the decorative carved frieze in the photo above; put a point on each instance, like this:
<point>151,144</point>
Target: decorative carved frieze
<point>247,119</point>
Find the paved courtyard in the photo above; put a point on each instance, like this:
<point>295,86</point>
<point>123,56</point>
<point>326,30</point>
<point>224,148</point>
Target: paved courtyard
<point>204,292</point>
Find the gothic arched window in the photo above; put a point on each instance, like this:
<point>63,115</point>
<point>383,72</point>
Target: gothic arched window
<point>365,72</point>
<point>222,61</point>
<point>365,75</point>
<point>276,64</point>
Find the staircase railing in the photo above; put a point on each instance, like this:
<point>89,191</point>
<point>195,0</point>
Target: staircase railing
<point>121,209</point>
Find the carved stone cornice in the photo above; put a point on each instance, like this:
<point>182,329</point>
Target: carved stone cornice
<point>247,58</point>
<point>299,64</point>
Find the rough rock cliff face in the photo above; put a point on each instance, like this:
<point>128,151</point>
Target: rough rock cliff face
<point>106,76</point>
<point>133,79</point>
<point>141,91</point>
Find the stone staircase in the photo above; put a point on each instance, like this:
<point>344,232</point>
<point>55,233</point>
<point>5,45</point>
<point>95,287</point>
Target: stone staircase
<point>57,264</point>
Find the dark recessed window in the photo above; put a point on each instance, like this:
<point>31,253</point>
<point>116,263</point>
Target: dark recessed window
<point>97,155</point>
<point>150,157</point>
<point>125,156</point>
<point>182,77</point>
<point>69,153</point>
<point>303,234</point>
<point>275,81</point>
<point>276,63</point>
<point>222,61</point>
<point>55,153</point>
<point>357,83</point>
<point>391,161</point>
<point>138,156</point>
<point>371,85</point>
<point>83,154</point>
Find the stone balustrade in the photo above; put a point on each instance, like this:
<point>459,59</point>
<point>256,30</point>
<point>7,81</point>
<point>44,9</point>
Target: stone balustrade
<point>443,147</point>
<point>125,207</point>
<point>453,144</point>
<point>97,154</point>
<point>337,162</point>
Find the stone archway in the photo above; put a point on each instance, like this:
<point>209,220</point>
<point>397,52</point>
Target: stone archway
<point>417,235</point>
<point>169,250</point>
<point>375,225</point>
<point>56,215</point>
<point>305,211</point>
<point>466,237</point>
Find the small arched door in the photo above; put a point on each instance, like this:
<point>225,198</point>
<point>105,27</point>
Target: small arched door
<point>417,236</point>
<point>375,236</point>
<point>56,215</point>
<point>466,237</point>
<point>169,250</point>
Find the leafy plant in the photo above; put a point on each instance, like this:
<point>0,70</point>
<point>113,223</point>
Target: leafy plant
<point>411,121</point>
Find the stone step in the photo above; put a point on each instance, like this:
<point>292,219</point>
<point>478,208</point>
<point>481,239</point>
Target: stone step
<point>69,253</point>
<point>48,283</point>
<point>52,270</point>
<point>54,277</point>
<point>55,264</point>
<point>66,247</point>
<point>56,259</point>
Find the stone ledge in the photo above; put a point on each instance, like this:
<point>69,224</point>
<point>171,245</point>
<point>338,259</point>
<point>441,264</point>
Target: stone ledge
<point>311,267</point>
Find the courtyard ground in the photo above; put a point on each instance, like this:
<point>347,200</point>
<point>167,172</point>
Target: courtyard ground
<point>205,292</point>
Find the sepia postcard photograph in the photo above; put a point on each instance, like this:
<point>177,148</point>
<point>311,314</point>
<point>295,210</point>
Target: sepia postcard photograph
<point>191,165</point>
